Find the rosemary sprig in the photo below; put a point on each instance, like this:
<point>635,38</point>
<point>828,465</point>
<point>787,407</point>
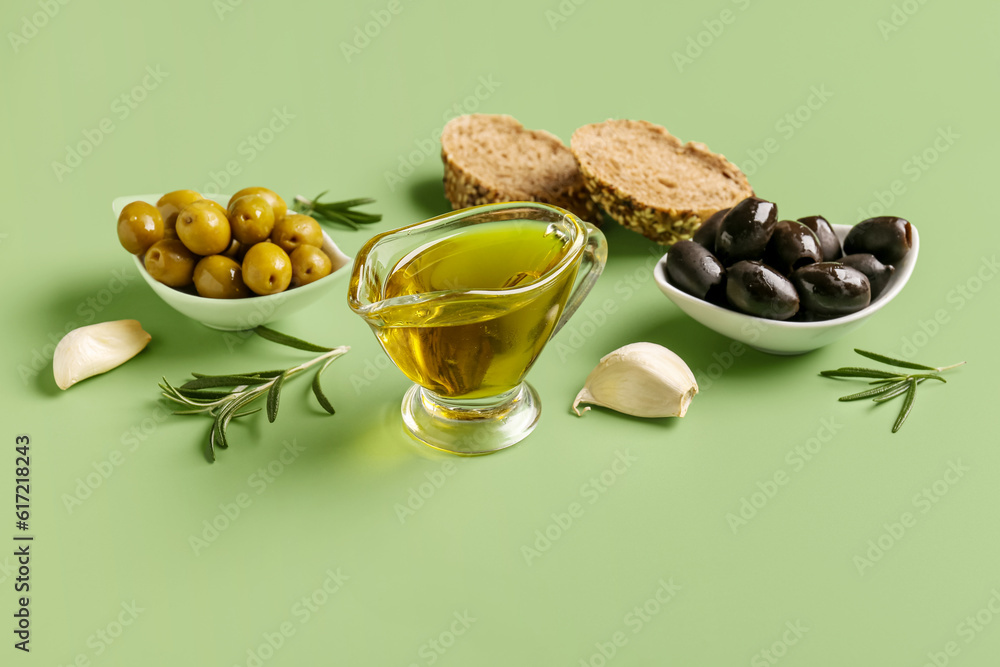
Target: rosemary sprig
<point>204,395</point>
<point>889,384</point>
<point>338,211</point>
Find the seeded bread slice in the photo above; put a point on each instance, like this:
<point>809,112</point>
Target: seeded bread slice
<point>650,182</point>
<point>493,158</point>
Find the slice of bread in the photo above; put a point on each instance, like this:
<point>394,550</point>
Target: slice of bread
<point>492,158</point>
<point>650,182</point>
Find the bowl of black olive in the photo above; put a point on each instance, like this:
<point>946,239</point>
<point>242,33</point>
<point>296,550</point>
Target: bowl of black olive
<point>787,286</point>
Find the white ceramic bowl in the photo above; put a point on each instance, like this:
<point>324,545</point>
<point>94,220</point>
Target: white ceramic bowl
<point>238,314</point>
<point>786,337</point>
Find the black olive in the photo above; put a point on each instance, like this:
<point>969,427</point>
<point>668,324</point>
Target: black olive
<point>756,289</point>
<point>745,230</point>
<point>888,238</point>
<point>827,237</point>
<point>792,245</point>
<point>878,274</point>
<point>695,270</point>
<point>830,289</point>
<point>705,236</point>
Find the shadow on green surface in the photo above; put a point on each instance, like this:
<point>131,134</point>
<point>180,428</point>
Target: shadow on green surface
<point>666,423</point>
<point>427,195</point>
<point>90,300</point>
<point>714,357</point>
<point>622,241</point>
<point>45,383</point>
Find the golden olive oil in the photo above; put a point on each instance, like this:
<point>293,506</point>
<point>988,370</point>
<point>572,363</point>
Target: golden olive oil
<point>472,332</point>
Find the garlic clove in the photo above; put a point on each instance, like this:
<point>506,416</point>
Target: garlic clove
<point>640,379</point>
<point>95,349</point>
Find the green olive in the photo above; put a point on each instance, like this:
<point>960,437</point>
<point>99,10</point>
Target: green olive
<point>251,218</point>
<point>170,205</point>
<point>267,269</point>
<point>277,203</point>
<point>202,226</point>
<point>170,262</point>
<point>309,264</point>
<point>219,207</point>
<point>219,277</point>
<point>139,226</point>
<point>296,230</point>
<point>236,250</point>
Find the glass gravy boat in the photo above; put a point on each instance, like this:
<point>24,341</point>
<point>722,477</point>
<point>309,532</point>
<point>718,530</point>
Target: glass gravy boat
<point>464,303</point>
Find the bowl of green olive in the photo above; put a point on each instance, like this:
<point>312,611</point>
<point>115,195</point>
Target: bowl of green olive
<point>229,262</point>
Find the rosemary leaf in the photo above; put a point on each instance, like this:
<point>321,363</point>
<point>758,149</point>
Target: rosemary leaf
<point>273,396</point>
<point>290,341</point>
<point>203,394</point>
<point>199,396</point>
<point>317,389</point>
<point>888,385</point>
<point>333,216</point>
<point>894,362</point>
<point>210,381</point>
<point>874,392</point>
<point>364,218</point>
<point>904,412</point>
<point>345,204</point>
<point>857,372</point>
<point>929,376</point>
<point>217,438</point>
<point>339,211</point>
<point>894,393</point>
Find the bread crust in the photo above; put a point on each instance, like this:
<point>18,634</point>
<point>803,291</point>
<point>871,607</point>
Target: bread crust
<point>464,188</point>
<point>665,224</point>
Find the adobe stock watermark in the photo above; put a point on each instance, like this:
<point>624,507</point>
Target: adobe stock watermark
<point>967,630</point>
<point>797,458</point>
<point>303,610</point>
<point>374,367</point>
<point>101,640</point>
<point>913,168</point>
<point>231,511</point>
<point>786,126</point>
<point>434,648</point>
<point>430,145</point>
<point>88,310</point>
<point>634,621</point>
<point>703,40</point>
<point>249,149</point>
<point>585,325</point>
<point>225,7</point>
<point>32,24</point>
<point>562,12</point>
<point>590,491</point>
<point>418,496</point>
<point>899,16</point>
<point>103,469</point>
<point>121,108</point>
<point>896,529</point>
<point>792,635</point>
<point>364,34</point>
<point>725,359</point>
<point>957,299</point>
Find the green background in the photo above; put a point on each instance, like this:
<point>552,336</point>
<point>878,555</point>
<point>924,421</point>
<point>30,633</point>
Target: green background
<point>888,95</point>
